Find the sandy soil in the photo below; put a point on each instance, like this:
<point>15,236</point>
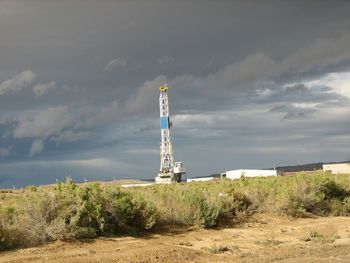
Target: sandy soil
<point>264,239</point>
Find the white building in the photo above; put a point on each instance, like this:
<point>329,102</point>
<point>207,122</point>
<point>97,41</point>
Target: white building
<point>236,174</point>
<point>337,168</point>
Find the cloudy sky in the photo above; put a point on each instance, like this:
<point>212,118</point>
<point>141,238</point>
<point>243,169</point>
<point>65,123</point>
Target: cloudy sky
<point>253,84</point>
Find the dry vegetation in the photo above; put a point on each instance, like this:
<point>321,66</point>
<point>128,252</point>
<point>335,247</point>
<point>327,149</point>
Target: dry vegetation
<point>67,211</point>
<point>263,238</point>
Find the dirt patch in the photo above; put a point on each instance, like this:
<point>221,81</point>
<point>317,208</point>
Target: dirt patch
<point>264,239</point>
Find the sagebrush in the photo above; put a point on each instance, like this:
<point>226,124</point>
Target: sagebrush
<point>69,211</point>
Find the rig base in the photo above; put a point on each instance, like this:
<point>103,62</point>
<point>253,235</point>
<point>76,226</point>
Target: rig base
<point>169,178</point>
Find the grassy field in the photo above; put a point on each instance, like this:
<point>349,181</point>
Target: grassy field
<point>67,211</point>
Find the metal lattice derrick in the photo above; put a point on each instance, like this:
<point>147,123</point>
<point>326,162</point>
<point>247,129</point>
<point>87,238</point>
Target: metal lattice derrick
<point>166,154</point>
<point>170,171</point>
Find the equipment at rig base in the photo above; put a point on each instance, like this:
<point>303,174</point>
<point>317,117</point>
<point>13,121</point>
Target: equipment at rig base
<point>169,171</point>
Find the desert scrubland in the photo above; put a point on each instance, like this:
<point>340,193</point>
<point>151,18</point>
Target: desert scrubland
<point>299,218</point>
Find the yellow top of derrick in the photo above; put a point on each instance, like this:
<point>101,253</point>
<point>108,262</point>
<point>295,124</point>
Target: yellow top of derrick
<point>164,87</point>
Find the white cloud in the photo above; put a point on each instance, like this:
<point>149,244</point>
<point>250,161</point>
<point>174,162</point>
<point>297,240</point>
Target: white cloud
<point>72,136</point>
<point>37,147</point>
<point>44,123</point>
<point>338,82</point>
<point>305,105</point>
<point>114,63</point>
<point>17,83</point>
<point>43,88</point>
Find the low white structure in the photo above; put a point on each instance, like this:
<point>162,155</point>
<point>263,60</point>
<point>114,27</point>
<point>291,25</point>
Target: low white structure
<point>236,174</point>
<point>337,168</point>
<point>200,179</point>
<point>136,185</point>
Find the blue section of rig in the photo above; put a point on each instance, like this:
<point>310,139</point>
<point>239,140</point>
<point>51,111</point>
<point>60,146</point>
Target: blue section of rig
<point>164,122</point>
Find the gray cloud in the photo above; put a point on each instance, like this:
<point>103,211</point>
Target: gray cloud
<point>36,147</point>
<point>115,63</point>
<point>43,88</point>
<point>72,136</point>
<point>44,123</point>
<point>298,93</point>
<point>294,111</point>
<point>322,53</point>
<point>298,88</point>
<point>165,60</point>
<point>138,103</point>
<point>144,96</point>
<point>251,85</point>
<point>5,151</point>
<point>260,67</point>
<point>244,74</point>
<point>107,114</point>
<point>18,82</point>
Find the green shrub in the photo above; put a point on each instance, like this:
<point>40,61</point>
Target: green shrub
<point>10,238</point>
<point>72,212</point>
<point>189,205</point>
<point>9,214</point>
<point>146,214</point>
<point>6,191</point>
<point>128,214</point>
<point>32,188</point>
<point>235,202</point>
<point>340,208</point>
<point>203,211</point>
<point>318,195</point>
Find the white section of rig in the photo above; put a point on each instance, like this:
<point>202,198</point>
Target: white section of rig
<point>169,170</point>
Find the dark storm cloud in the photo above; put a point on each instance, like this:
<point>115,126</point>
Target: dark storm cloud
<point>78,85</point>
<point>292,112</point>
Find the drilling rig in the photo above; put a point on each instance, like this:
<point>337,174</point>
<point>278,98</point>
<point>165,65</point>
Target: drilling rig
<point>170,171</point>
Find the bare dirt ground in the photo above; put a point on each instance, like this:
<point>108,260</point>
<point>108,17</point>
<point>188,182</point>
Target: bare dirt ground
<point>265,238</point>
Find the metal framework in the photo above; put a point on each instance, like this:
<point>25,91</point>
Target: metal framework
<point>166,148</point>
